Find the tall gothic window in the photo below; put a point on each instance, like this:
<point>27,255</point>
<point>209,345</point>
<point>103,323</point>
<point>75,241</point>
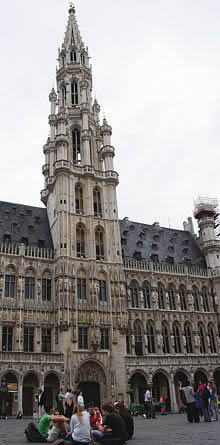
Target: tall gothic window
<point>74,93</point>
<point>166,342</point>
<point>29,291</point>
<point>7,338</point>
<point>188,336</point>
<point>211,335</point>
<point>102,290</point>
<point>46,340</point>
<point>63,96</point>
<point>203,348</point>
<point>99,244</point>
<point>80,241</point>
<point>146,294</point>
<point>133,288</point>
<point>104,339</point>
<point>182,294</point>
<point>73,56</point>
<point>81,288</point>
<point>79,198</point>
<point>161,296</point>
<point>83,338</point>
<point>9,286</point>
<point>28,339</point>
<point>177,339</point>
<point>46,289</point>
<point>151,338</point>
<point>195,293</point>
<point>76,145</point>
<point>171,294</point>
<point>205,299</point>
<point>138,338</point>
<point>97,204</point>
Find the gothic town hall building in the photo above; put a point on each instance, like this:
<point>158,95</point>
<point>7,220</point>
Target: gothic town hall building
<point>91,302</point>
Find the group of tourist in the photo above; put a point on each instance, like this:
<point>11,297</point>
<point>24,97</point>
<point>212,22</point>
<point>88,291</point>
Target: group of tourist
<point>202,402</point>
<point>74,424</point>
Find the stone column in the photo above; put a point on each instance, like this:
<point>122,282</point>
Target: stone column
<point>20,396</point>
<point>173,402</point>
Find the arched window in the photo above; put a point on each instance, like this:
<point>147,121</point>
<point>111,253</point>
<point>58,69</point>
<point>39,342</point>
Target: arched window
<point>10,282</point>
<point>182,294</point>
<point>203,348</point>
<point>138,338</point>
<point>63,96</point>
<point>146,294</point>
<point>134,293</point>
<point>83,59</point>
<point>195,293</point>
<point>188,337</point>
<point>211,335</point>
<point>76,145</point>
<point>150,338</point>
<point>205,299</point>
<point>80,241</point>
<point>97,204</point>
<point>177,339</point>
<point>171,294</point>
<point>161,296</point>
<point>99,244</point>
<point>46,286</point>
<point>74,93</point>
<point>79,198</point>
<point>73,56</point>
<point>166,337</point>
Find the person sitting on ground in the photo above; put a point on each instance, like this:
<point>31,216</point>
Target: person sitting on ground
<point>93,417</point>
<point>126,416</point>
<point>113,427</point>
<point>46,420</point>
<point>80,426</point>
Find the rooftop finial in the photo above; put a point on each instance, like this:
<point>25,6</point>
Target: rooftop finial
<point>72,7</point>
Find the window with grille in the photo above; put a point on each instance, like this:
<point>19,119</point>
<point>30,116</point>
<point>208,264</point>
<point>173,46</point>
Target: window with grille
<point>195,293</point>
<point>134,294</point>
<point>212,339</point>
<point>182,294</point>
<point>166,343</point>
<point>99,244</point>
<point>138,340</point>
<point>161,296</point>
<point>29,292</point>
<point>79,198</point>
<point>80,242</point>
<point>102,290</point>
<point>171,294</point>
<point>81,288</point>
<point>203,349</point>
<point>151,339</point>
<point>28,339</point>
<point>97,204</point>
<point>46,289</point>
<point>83,338</point>
<point>76,145</point>
<point>9,286</point>
<point>7,338</point>
<point>104,338</point>
<point>46,340</point>
<point>188,336</point>
<point>177,339</point>
<point>146,295</point>
<point>74,93</point>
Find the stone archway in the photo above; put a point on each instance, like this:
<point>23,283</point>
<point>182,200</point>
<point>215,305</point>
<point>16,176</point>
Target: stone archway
<point>180,376</point>
<point>91,380</point>
<point>51,388</point>
<point>30,387</point>
<point>216,377</point>
<point>161,388</point>
<point>9,400</point>
<point>138,384</point>
<point>200,376</point>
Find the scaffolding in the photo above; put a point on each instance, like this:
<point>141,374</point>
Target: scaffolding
<point>205,206</point>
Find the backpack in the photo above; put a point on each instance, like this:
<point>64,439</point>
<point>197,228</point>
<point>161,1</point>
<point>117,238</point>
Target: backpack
<point>183,397</point>
<point>33,435</point>
<point>205,394</point>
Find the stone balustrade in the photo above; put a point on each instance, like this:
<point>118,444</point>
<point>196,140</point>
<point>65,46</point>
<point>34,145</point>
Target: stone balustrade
<point>164,268</point>
<point>173,359</point>
<point>27,251</point>
<point>31,357</point>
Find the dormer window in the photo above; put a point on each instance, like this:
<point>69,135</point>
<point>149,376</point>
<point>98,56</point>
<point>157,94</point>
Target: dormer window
<point>74,93</point>
<point>7,238</point>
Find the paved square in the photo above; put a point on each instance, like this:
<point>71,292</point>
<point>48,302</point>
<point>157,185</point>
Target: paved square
<point>172,429</point>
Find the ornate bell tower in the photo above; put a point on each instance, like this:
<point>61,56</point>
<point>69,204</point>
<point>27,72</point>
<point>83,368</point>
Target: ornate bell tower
<point>80,196</point>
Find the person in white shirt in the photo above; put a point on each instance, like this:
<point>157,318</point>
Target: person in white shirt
<point>80,399</point>
<point>148,404</point>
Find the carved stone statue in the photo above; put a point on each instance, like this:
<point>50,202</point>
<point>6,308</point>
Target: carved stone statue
<point>160,340</point>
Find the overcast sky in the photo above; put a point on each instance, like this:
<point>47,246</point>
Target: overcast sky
<point>156,70</point>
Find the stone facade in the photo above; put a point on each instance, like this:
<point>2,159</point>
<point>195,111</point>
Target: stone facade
<point>85,304</point>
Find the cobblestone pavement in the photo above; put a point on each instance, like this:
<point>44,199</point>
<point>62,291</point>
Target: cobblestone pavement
<point>172,429</point>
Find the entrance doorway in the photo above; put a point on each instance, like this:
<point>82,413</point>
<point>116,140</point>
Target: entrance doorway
<point>51,388</point>
<point>200,376</point>
<point>161,388</point>
<point>91,393</point>
<point>216,376</point>
<point>30,387</point>
<point>138,387</point>
<point>8,401</point>
<point>182,377</point>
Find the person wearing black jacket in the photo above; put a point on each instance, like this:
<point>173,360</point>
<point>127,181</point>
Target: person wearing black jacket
<point>41,401</point>
<point>121,409</point>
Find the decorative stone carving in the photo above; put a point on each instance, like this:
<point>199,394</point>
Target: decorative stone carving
<point>91,372</point>
<point>160,340</point>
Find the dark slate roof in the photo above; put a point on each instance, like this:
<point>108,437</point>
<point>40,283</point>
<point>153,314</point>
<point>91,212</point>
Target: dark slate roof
<point>152,242</point>
<point>24,224</point>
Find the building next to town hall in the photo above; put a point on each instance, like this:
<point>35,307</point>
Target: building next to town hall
<point>91,302</point>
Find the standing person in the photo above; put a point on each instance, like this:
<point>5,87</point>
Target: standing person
<point>213,401</point>
<point>112,421</point>
<point>204,397</point>
<point>41,401</point>
<point>80,399</point>
<point>80,426</point>
<point>148,404</point>
<point>68,403</point>
<point>60,397</point>
<point>192,413</point>
<point>121,409</point>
